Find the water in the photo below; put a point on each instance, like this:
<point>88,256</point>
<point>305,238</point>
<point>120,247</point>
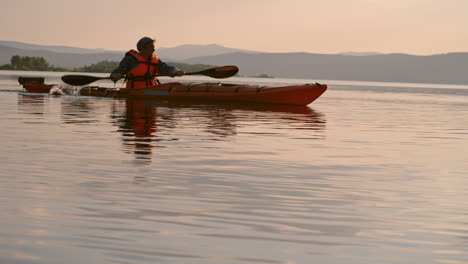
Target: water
<point>368,173</point>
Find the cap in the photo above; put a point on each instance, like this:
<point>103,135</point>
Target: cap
<point>142,42</point>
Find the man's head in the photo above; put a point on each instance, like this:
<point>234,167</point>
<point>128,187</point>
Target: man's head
<point>144,43</point>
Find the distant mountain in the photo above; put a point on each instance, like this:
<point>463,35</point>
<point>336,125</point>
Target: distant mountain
<point>59,49</point>
<point>63,56</point>
<point>66,60</point>
<point>448,68</point>
<point>184,52</point>
<point>360,53</point>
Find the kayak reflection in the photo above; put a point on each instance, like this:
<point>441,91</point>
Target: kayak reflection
<point>138,127</point>
<point>31,104</point>
<point>146,125</point>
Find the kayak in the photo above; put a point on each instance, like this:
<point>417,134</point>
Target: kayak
<point>208,92</point>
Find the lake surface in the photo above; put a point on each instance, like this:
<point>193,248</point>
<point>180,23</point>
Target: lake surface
<point>368,173</point>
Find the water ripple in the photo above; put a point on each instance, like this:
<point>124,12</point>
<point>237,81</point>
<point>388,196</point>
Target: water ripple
<point>357,177</point>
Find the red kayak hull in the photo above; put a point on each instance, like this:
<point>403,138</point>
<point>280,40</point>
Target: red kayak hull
<point>35,87</point>
<point>215,92</point>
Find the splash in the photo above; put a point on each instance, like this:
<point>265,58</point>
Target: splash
<point>64,88</point>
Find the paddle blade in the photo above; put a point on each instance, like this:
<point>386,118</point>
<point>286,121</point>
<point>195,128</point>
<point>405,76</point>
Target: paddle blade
<point>220,72</point>
<point>79,80</point>
<point>23,80</point>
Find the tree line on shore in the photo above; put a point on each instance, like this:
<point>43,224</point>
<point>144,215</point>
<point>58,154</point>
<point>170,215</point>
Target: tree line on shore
<point>27,63</point>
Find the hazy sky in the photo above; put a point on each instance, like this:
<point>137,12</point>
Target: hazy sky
<point>318,26</point>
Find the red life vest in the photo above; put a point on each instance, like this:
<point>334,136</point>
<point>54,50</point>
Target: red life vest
<point>143,74</point>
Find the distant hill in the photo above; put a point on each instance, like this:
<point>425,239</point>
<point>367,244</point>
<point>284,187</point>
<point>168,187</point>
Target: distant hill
<point>360,53</point>
<point>58,49</point>
<point>184,52</point>
<point>65,60</point>
<point>177,53</point>
<point>448,68</point>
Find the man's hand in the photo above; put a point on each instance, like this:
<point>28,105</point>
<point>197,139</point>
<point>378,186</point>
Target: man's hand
<point>116,76</point>
<point>178,74</point>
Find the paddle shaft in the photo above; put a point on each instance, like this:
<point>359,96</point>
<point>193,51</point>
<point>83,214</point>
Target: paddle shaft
<point>217,72</point>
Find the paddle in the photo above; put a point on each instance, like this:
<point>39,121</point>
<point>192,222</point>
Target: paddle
<point>81,79</point>
<point>217,72</point>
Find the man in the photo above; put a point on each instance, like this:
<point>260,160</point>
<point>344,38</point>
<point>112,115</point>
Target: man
<point>140,67</point>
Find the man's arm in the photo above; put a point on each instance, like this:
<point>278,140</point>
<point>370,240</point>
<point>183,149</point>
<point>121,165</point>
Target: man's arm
<point>125,65</point>
<point>166,69</point>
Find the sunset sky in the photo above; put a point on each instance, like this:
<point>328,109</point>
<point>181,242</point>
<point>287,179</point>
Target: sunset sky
<point>418,27</point>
